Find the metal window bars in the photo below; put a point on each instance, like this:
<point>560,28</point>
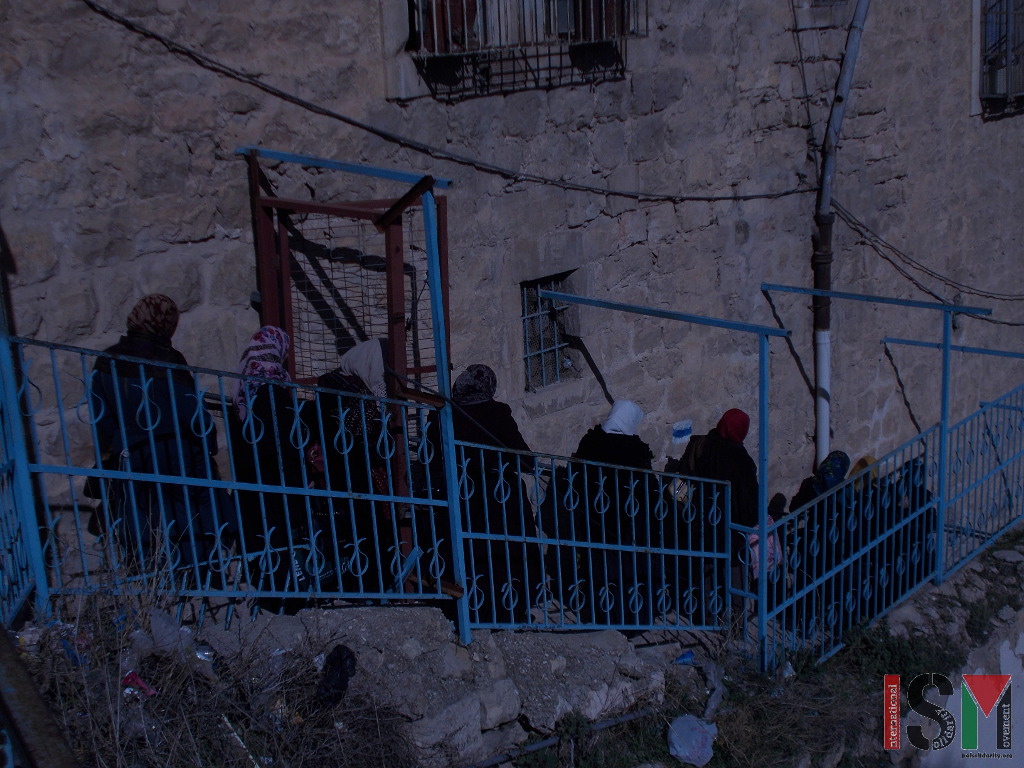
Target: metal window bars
<point>1002,55</point>
<point>467,48</point>
<point>544,344</point>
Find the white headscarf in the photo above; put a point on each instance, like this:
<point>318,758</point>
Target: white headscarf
<point>365,361</point>
<point>624,418</point>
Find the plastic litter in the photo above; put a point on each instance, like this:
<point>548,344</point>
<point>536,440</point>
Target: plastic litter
<point>690,740</point>
<point>135,685</point>
<point>686,658</point>
<point>715,677</point>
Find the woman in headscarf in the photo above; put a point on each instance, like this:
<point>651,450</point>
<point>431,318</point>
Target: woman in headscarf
<point>503,575</point>
<point>721,455</point>
<point>150,420</point>
<point>616,508</point>
<point>825,535</point>
<point>830,473</point>
<point>268,442</point>
<point>356,461</point>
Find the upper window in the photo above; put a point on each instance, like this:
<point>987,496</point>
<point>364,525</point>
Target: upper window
<point>466,48</point>
<point>1002,56</point>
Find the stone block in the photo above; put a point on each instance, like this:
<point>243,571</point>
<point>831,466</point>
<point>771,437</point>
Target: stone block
<point>72,308</point>
<point>503,740</point>
<point>499,704</point>
<point>452,731</point>
<point>183,283</point>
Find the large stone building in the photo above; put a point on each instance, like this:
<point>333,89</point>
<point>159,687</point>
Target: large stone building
<point>655,152</point>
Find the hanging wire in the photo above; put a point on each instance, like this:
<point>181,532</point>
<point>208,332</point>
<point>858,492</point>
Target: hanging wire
<point>219,68</point>
<point>881,244</point>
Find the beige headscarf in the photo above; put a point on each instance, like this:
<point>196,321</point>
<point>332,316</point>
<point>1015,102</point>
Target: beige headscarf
<point>366,362</point>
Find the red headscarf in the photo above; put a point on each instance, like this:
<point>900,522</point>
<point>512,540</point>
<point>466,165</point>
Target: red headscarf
<point>734,425</point>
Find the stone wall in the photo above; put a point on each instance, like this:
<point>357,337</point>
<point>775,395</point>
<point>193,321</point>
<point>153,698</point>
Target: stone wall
<point>118,177</point>
<point>462,704</point>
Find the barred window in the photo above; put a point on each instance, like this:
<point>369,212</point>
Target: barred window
<point>1002,56</point>
<point>467,48</point>
<point>545,343</point>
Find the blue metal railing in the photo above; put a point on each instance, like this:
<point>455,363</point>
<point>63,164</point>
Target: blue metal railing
<point>151,475</point>
<point>203,484</point>
<point>556,542</point>
<point>855,552</point>
<point>986,478</point>
<point>851,554</point>
<point>200,483</point>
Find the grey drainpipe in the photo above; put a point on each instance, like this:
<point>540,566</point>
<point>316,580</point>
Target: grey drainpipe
<point>821,261</point>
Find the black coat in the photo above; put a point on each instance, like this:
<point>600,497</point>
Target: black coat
<point>714,457</point>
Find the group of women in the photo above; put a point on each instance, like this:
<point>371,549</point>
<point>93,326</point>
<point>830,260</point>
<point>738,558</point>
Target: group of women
<point>287,452</point>
<point>614,529</point>
<point>290,450</point>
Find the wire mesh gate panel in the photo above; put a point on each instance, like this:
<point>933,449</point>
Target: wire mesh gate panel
<point>340,290</point>
<point>336,274</point>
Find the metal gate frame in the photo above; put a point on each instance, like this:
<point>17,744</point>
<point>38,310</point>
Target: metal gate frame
<point>386,215</point>
<point>269,214</point>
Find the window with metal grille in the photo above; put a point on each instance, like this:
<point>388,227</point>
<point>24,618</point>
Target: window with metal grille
<point>466,48</point>
<point>545,342</point>
<point>1002,56</point>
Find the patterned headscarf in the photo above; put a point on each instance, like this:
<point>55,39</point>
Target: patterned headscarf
<point>734,425</point>
<point>264,356</point>
<point>365,361</point>
<point>831,472</point>
<point>476,384</point>
<point>155,315</point>
<point>624,418</point>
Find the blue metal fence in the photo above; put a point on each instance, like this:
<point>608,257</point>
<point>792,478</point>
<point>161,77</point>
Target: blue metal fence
<point>853,553</point>
<point>557,542</point>
<point>121,474</point>
<point>986,478</point>
<point>16,580</point>
<point>200,483</point>
<point>197,482</point>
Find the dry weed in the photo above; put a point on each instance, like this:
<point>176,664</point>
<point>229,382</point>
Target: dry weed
<point>134,695</point>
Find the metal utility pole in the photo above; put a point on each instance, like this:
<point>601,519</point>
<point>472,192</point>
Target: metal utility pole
<point>821,261</point>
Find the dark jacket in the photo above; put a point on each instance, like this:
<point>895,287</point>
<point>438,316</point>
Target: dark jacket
<point>713,457</point>
<point>150,420</point>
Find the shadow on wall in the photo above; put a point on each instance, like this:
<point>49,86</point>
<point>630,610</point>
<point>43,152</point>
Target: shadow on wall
<point>7,267</point>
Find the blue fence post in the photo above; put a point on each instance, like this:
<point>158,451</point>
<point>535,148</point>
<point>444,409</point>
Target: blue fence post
<point>762,500</point>
<point>16,450</point>
<point>444,387</point>
<point>940,527</point>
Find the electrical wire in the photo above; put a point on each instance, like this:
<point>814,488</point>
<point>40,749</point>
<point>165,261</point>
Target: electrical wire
<point>219,68</point>
<point>884,249</point>
<point>880,244</point>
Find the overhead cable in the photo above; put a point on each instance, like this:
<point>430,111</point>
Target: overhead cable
<point>404,141</point>
<point>879,244</point>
